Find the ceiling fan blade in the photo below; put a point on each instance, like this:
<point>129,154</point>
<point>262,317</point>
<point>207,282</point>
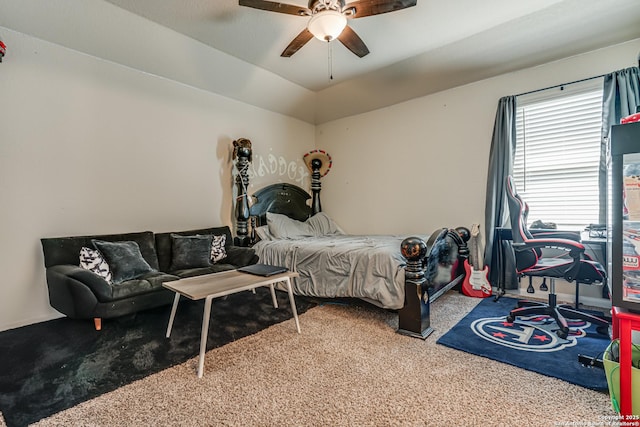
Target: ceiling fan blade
<point>276,7</point>
<point>363,8</point>
<point>295,45</point>
<point>353,42</point>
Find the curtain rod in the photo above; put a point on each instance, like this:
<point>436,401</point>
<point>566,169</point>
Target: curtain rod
<point>561,85</point>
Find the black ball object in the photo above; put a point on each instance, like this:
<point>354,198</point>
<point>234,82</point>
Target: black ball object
<point>316,164</point>
<point>413,248</point>
<point>464,233</point>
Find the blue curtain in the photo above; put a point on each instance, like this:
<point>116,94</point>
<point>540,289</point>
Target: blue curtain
<point>503,146</point>
<point>621,97</point>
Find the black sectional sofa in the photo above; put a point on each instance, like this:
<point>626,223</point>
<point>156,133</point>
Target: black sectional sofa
<point>82,294</point>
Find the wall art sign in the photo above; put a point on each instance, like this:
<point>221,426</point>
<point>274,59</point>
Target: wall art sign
<point>278,166</point>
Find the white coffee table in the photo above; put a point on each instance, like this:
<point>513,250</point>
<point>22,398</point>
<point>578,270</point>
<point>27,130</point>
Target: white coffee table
<point>210,286</point>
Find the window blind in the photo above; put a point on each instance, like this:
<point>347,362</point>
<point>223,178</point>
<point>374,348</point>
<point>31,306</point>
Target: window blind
<point>558,154</point>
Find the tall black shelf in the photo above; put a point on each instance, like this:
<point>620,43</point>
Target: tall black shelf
<point>623,217</point>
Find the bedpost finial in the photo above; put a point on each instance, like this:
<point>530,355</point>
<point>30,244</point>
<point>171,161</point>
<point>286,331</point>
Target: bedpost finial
<point>316,164</point>
<point>413,248</point>
<point>464,233</point>
<point>242,148</point>
<point>311,160</point>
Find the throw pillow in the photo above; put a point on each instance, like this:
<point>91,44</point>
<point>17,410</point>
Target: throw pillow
<point>124,258</point>
<point>218,250</point>
<point>92,260</point>
<point>190,251</point>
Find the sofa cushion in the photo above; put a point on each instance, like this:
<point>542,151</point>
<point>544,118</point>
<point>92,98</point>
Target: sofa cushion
<point>190,251</point>
<point>164,247</point>
<point>149,282</point>
<point>240,256</point>
<point>124,258</point>
<point>92,260</point>
<point>65,250</point>
<point>215,268</point>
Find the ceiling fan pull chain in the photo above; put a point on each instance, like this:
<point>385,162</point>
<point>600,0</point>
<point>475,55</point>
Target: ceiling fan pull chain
<point>330,60</point>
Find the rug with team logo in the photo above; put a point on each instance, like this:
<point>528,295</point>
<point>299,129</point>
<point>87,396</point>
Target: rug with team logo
<point>530,343</point>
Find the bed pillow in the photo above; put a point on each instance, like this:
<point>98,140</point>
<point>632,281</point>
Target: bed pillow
<point>263,233</point>
<point>92,260</point>
<point>124,258</point>
<point>190,251</point>
<point>321,225</point>
<point>283,227</point>
<point>218,250</point>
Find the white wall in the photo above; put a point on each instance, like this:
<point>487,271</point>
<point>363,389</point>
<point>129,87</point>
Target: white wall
<point>88,146</point>
<point>422,164</point>
<point>104,30</point>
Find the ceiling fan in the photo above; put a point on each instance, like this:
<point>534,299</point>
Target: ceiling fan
<point>329,19</point>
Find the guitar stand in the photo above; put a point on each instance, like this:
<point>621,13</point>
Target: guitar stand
<point>501,280</point>
<point>497,245</point>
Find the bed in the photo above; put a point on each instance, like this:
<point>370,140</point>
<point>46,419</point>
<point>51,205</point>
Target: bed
<point>393,272</point>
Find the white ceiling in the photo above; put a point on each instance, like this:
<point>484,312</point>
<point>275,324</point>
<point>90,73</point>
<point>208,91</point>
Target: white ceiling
<point>418,34</point>
<point>420,50</point>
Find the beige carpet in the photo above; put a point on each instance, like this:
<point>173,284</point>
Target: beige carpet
<point>348,367</point>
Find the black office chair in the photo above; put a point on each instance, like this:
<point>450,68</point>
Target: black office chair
<point>570,265</point>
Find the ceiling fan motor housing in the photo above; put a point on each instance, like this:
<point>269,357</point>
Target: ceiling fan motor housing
<point>319,5</point>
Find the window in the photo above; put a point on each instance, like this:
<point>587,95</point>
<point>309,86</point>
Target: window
<point>558,153</point>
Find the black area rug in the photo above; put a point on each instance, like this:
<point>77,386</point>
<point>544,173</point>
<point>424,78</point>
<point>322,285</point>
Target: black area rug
<point>530,343</point>
<point>54,365</point>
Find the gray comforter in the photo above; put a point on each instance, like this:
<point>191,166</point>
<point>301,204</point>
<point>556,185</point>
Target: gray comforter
<point>366,267</point>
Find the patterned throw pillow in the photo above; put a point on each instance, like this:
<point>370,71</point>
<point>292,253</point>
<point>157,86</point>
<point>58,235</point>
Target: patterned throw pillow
<point>92,260</point>
<point>218,251</point>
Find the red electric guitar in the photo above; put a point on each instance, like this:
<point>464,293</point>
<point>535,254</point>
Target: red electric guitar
<point>476,282</point>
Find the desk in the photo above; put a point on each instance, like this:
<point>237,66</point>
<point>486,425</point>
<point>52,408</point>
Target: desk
<point>595,241</point>
<point>623,323</point>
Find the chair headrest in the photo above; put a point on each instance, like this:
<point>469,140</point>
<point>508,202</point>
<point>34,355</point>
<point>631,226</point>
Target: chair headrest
<point>511,186</point>
<point>518,212</point>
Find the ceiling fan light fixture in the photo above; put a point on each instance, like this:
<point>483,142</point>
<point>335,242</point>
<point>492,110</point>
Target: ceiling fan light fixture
<point>327,25</point>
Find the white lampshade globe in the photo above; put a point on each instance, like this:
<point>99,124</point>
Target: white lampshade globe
<point>327,25</point>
